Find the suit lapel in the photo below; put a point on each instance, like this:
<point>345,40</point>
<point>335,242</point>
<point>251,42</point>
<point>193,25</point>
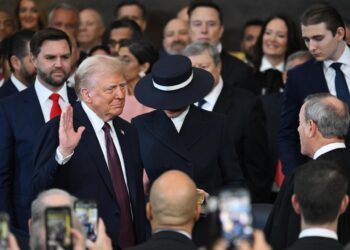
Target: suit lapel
<point>194,126</point>
<point>223,103</point>
<point>162,128</point>
<point>90,143</point>
<point>316,78</point>
<point>33,109</point>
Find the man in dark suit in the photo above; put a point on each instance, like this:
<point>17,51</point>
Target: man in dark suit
<point>22,116</point>
<point>324,122</point>
<point>245,117</point>
<point>319,198</point>
<point>323,32</point>
<point>103,163</point>
<point>172,211</point>
<point>22,68</point>
<point>206,25</point>
<point>181,136</point>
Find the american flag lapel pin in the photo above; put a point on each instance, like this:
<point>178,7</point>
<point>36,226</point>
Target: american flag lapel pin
<point>122,131</point>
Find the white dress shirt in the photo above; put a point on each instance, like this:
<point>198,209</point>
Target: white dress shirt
<point>173,230</point>
<point>329,72</point>
<point>97,124</point>
<point>318,232</point>
<point>179,120</point>
<point>327,148</point>
<point>219,47</point>
<point>212,97</point>
<point>19,85</point>
<point>265,65</point>
<point>44,93</point>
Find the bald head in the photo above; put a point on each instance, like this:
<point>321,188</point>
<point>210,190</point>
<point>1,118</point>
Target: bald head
<point>173,201</point>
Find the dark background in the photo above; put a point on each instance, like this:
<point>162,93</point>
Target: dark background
<point>236,12</point>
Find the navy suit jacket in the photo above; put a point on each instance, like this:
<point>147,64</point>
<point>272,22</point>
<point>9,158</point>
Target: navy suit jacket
<point>202,149</point>
<point>314,242</point>
<point>237,73</point>
<point>169,240</point>
<point>21,119</point>
<point>8,89</point>
<point>302,81</point>
<point>86,174</point>
<point>246,123</point>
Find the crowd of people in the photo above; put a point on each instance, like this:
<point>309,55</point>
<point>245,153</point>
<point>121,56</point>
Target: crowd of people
<point>90,111</point>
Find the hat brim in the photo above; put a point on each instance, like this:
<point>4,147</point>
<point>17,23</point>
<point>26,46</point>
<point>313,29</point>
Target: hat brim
<point>150,96</point>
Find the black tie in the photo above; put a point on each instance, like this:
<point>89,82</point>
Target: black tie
<point>201,103</point>
<point>126,230</point>
<point>340,84</point>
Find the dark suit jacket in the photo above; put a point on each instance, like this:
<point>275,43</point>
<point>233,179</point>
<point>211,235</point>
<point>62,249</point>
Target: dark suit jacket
<point>202,149</point>
<point>319,243</point>
<point>302,81</point>
<point>246,121</point>
<point>20,121</point>
<point>237,73</point>
<point>283,225</point>
<point>167,240</point>
<point>7,89</point>
<point>86,174</point>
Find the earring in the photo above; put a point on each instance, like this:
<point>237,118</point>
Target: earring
<point>142,74</point>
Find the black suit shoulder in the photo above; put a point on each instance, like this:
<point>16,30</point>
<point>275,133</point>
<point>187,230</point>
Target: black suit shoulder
<point>7,89</point>
<point>237,73</point>
<point>167,240</point>
<point>319,243</point>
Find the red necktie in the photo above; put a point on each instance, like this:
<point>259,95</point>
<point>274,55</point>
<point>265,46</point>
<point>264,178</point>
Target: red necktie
<point>55,109</point>
<point>126,229</point>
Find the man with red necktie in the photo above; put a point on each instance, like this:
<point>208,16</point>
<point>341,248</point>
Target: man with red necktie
<point>23,115</point>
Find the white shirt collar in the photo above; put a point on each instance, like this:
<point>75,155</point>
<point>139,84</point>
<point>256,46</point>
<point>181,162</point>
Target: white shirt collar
<point>96,121</point>
<point>219,47</point>
<point>318,232</point>
<point>265,65</point>
<point>179,120</point>
<point>19,85</point>
<point>329,147</point>
<point>213,96</point>
<point>44,93</point>
<point>344,58</point>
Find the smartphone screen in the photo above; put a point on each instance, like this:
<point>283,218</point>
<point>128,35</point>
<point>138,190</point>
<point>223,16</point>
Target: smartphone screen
<point>236,215</point>
<point>4,231</point>
<point>87,214</point>
<point>58,223</point>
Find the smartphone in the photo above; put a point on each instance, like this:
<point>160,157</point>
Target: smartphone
<point>58,224</point>
<point>87,213</point>
<point>236,216</point>
<point>4,231</point>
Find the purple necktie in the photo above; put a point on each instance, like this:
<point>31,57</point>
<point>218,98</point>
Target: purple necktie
<point>126,229</point>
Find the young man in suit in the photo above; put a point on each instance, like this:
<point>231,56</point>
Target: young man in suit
<point>323,31</point>
<point>103,163</point>
<point>23,115</point>
<point>319,198</point>
<point>245,117</point>
<point>180,136</point>
<point>172,211</point>
<point>323,125</point>
<point>22,68</point>
<point>206,25</point>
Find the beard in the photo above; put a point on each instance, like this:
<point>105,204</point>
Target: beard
<point>28,77</point>
<point>177,47</point>
<point>48,79</point>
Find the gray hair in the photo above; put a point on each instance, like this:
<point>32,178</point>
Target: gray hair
<point>94,66</point>
<point>39,205</point>
<point>64,6</point>
<point>331,120</point>
<point>301,55</point>
<point>198,48</point>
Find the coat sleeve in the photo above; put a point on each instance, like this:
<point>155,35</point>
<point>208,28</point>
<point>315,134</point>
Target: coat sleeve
<point>45,165</point>
<point>7,163</point>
